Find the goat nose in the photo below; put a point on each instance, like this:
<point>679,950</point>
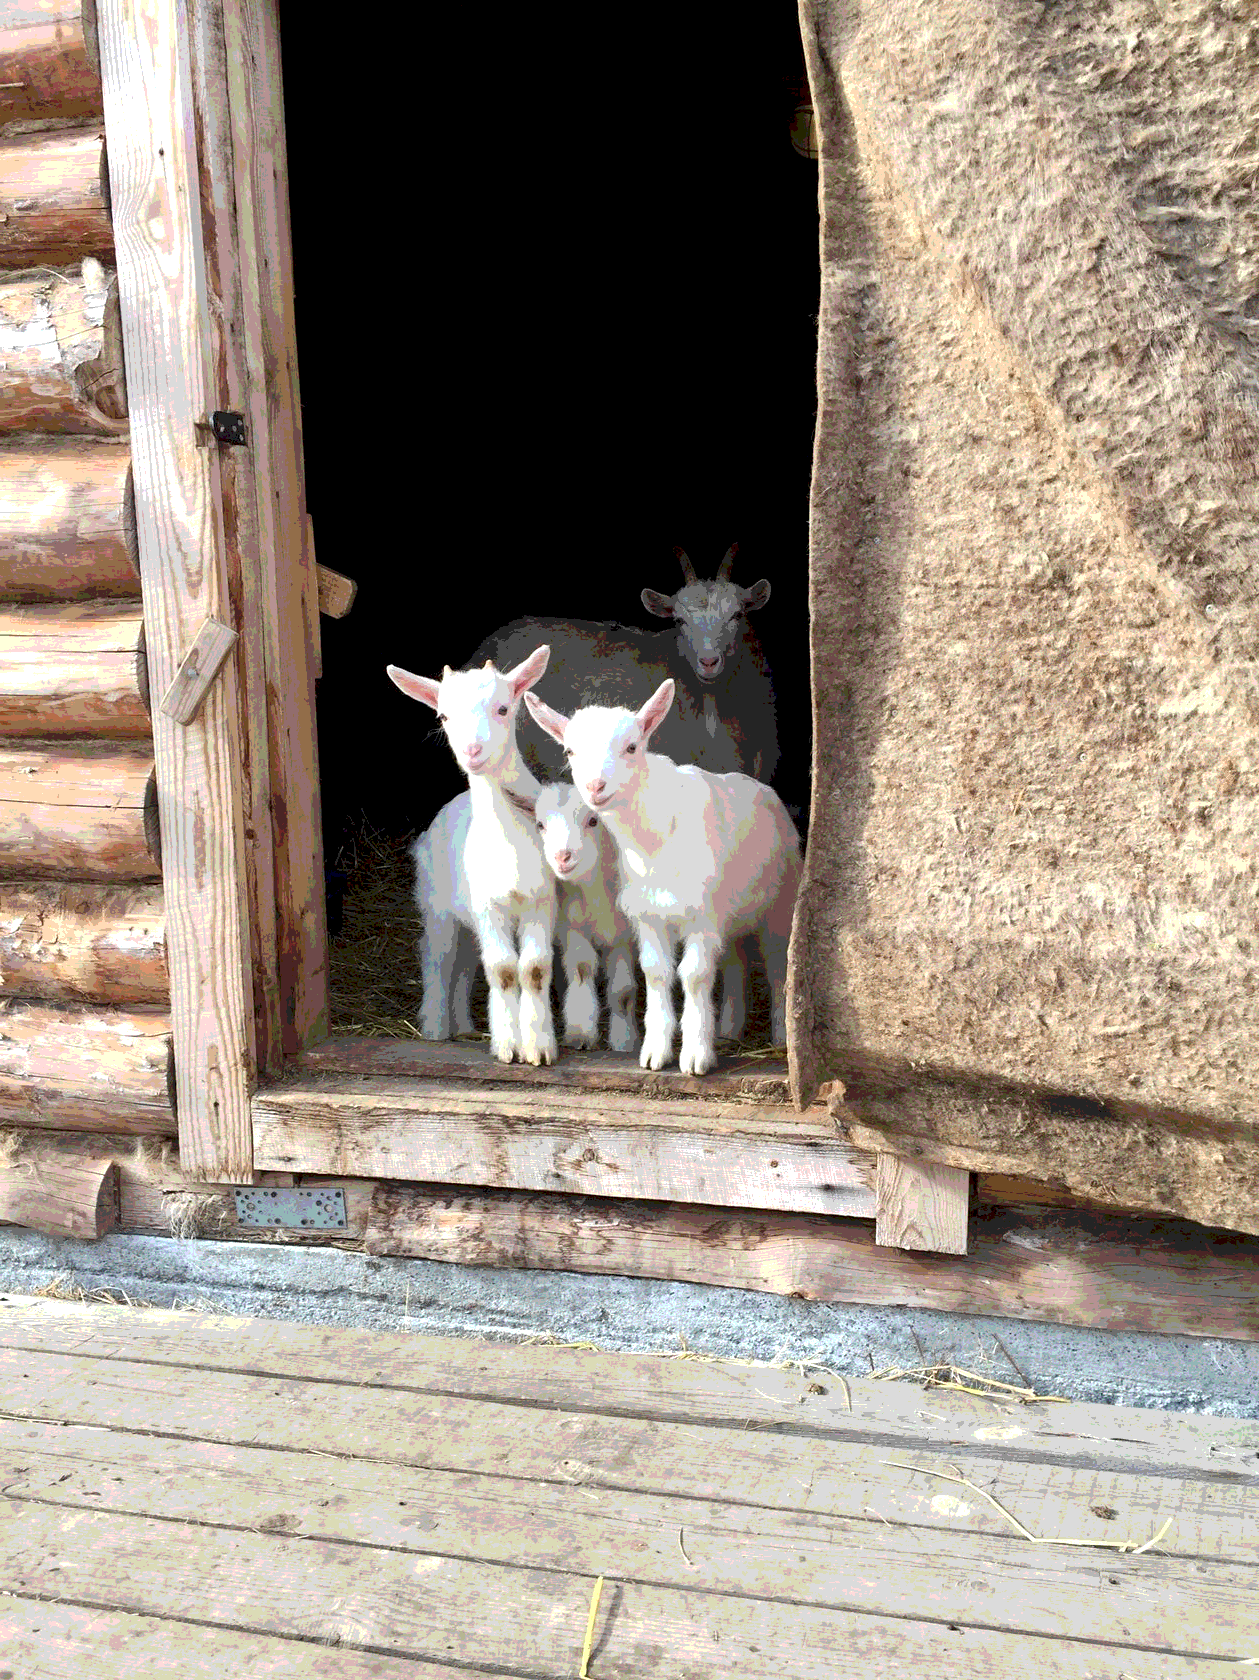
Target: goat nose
<point>563,857</point>
<point>595,787</point>
<point>474,751</point>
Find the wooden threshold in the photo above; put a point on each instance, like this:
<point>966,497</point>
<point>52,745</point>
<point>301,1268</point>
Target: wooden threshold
<point>558,1134</point>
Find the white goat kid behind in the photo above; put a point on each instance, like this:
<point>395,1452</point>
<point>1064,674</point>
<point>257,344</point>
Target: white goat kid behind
<point>589,926</point>
<point>705,860</point>
<point>494,881</point>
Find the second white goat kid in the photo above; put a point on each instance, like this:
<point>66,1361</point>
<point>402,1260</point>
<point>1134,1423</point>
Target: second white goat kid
<point>589,926</point>
<point>705,860</point>
<point>499,885</point>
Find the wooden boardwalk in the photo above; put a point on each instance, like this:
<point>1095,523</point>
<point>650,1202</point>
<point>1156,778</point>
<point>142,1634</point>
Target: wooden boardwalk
<point>202,1497</point>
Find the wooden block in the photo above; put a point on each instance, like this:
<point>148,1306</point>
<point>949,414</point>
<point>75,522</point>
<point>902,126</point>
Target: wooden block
<point>61,365</point>
<point>78,810</point>
<point>67,520</point>
<point>336,593</point>
<point>74,669</point>
<point>63,1195</point>
<point>95,1069</point>
<point>723,1154</point>
<point>198,669</point>
<point>48,62</point>
<point>83,943</point>
<point>921,1205</point>
<point>172,375</point>
<point>53,198</point>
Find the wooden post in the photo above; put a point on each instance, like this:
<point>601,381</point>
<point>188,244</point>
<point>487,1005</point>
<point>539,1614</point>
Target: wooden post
<point>290,589</point>
<point>921,1205</point>
<point>156,201</point>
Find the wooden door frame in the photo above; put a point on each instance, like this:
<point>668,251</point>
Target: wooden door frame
<point>195,138</point>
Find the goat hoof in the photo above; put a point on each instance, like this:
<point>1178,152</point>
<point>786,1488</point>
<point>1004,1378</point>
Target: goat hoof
<point>697,1062</point>
<point>542,1054</point>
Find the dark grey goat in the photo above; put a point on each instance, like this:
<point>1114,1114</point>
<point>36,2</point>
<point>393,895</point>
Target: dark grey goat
<point>723,718</point>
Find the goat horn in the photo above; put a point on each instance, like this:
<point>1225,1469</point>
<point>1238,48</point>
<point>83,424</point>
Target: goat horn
<point>688,571</point>
<point>488,666</point>
<point>723,571</point>
<point>446,672</point>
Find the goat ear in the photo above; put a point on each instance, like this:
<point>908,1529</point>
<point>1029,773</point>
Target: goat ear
<point>653,714</point>
<point>756,596</point>
<point>423,689</point>
<point>655,602</point>
<point>528,671</point>
<point>527,806</point>
<point>555,723</point>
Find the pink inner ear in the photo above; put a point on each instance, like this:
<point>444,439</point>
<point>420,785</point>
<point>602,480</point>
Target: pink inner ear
<point>423,689</point>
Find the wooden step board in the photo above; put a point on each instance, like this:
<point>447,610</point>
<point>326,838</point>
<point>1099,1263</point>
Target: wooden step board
<point>595,1124</point>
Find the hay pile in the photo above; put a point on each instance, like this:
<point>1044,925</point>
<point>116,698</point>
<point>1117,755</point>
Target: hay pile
<point>374,986</point>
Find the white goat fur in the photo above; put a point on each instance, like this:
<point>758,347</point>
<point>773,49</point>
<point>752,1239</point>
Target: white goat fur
<point>705,861</point>
<point>589,926</point>
<point>479,867</point>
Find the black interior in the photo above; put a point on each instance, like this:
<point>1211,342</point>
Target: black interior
<point>556,312</point>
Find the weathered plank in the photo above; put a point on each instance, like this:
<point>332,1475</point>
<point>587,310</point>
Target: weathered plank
<point>241,494</point>
<point>67,1641</point>
<point>67,520</point>
<point>97,1070</point>
<point>79,811</point>
<point>48,61</point>
<point>921,1206</point>
<point>64,1195</point>
<point>1199,1167</point>
<point>61,367</point>
<point>727,1154</point>
<point>750,1079</point>
<point>148,105</point>
<point>83,943</point>
<point>1213,1515</point>
<point>669,1388</point>
<point>53,199</point>
<point>289,589</point>
<point>526,1621</point>
<point>74,669</point>
<point>989,1581</point>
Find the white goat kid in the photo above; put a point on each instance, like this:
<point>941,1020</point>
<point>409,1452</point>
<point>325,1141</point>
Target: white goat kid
<point>493,880</point>
<point>705,860</point>
<point>589,926</point>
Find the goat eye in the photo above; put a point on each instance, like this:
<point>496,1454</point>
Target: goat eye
<point>593,823</point>
<point>568,752</point>
<point>631,748</point>
<point>539,826</point>
<point>441,717</point>
<point>502,711</point>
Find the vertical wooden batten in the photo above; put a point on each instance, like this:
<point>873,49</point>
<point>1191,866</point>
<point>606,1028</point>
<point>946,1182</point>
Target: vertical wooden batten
<point>156,202</point>
<point>290,610</point>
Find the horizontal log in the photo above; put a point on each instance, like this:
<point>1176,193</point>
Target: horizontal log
<point>67,520</point>
<point>48,61</point>
<point>79,811</point>
<point>1199,1167</point>
<point>74,669</point>
<point>61,367</point>
<point>83,943</point>
<point>537,1138</point>
<point>64,1195</point>
<point>86,1069</point>
<point>1164,1276</point>
<point>54,199</point>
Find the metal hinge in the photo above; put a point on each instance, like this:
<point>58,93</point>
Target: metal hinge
<point>322,1209</point>
<point>228,426</point>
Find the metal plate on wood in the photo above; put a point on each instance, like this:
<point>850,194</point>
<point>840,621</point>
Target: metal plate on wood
<point>322,1209</point>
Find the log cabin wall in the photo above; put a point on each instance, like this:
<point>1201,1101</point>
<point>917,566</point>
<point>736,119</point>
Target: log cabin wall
<point>85,1040</point>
